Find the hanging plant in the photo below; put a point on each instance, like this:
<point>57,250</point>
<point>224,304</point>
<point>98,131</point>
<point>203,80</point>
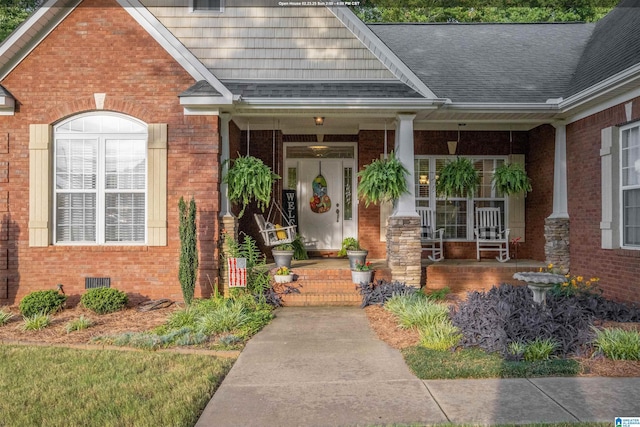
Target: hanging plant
<point>457,178</point>
<point>511,178</point>
<point>249,179</point>
<point>382,180</point>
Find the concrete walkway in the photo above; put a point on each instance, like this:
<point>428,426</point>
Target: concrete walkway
<point>324,366</point>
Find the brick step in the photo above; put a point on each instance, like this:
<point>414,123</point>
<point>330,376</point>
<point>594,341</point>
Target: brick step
<point>324,299</point>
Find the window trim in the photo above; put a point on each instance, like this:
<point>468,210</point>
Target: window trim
<point>100,190</point>
<point>471,201</point>
<point>193,9</point>
<point>621,187</point>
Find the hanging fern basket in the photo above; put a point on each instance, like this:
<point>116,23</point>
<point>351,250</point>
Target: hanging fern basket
<point>511,178</point>
<point>382,180</point>
<point>457,178</point>
<point>249,179</point>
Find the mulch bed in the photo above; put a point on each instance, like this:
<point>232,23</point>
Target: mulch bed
<point>385,326</point>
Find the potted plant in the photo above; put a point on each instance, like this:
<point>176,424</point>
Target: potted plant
<point>351,248</point>
<point>249,179</point>
<point>382,180</point>
<point>457,178</point>
<point>361,273</point>
<point>283,254</point>
<point>283,275</point>
<point>511,178</point>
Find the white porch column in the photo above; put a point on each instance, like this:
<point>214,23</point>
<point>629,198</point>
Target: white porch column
<point>406,204</point>
<point>560,203</point>
<point>556,226</point>
<point>225,208</point>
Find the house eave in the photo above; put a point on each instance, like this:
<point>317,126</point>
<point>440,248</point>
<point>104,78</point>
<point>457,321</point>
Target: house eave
<point>341,103</point>
<point>627,78</point>
<point>498,107</point>
<point>7,105</point>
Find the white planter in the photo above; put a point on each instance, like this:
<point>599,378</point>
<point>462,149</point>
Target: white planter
<point>283,278</point>
<point>359,257</point>
<point>282,258</point>
<point>358,277</point>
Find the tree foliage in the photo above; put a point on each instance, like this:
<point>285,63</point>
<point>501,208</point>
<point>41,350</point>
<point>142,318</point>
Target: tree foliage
<point>372,11</point>
<point>13,12</point>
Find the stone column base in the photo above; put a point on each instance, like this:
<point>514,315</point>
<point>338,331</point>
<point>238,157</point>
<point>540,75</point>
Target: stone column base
<point>404,249</point>
<point>556,247</point>
<point>229,227</point>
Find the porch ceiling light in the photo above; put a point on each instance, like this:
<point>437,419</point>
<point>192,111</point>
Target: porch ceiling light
<point>319,121</point>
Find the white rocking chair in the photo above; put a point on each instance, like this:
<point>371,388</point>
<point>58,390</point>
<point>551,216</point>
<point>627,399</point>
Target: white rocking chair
<point>274,234</point>
<point>490,236</point>
<point>431,237</point>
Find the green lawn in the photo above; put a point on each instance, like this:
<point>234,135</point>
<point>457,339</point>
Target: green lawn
<point>476,363</point>
<point>68,387</point>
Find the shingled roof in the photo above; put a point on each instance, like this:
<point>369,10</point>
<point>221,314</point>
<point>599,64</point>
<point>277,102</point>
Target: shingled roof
<point>613,47</point>
<point>513,63</point>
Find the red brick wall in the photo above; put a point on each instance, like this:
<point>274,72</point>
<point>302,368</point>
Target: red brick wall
<point>618,270</point>
<point>539,204</point>
<point>99,48</point>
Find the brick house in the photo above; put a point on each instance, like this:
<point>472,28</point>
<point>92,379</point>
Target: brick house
<point>111,110</point>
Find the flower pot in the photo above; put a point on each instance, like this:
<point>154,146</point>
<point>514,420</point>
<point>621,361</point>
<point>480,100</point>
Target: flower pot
<point>282,258</point>
<point>283,278</point>
<point>357,257</point>
<point>358,277</point>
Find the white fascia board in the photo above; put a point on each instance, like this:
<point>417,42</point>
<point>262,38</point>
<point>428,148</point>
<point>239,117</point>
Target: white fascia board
<point>624,77</point>
<point>478,107</point>
<point>172,45</point>
<point>204,101</point>
<point>617,100</point>
<point>380,50</point>
<point>21,43</point>
<point>629,76</point>
<point>344,103</point>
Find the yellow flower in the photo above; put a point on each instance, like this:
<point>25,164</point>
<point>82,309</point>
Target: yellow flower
<point>540,269</point>
<point>573,282</point>
<point>594,279</point>
<point>580,278</point>
<point>550,266</point>
<point>567,275</point>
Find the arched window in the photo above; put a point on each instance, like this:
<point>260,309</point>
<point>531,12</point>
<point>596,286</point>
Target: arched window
<point>100,180</point>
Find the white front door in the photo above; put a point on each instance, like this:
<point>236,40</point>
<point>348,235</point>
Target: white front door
<point>326,204</point>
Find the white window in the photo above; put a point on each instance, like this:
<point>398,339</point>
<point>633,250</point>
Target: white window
<point>207,6</point>
<point>100,180</point>
<point>456,214</point>
<point>630,186</point>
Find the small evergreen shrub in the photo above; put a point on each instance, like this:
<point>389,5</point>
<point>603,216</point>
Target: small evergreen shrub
<point>36,322</point>
<point>415,310</point>
<point>5,316</point>
<point>618,344</point>
<point>378,293</point>
<point>104,300</point>
<point>42,302</point>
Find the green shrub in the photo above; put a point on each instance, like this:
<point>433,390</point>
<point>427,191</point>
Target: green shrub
<point>5,316</point>
<point>439,294</point>
<point>36,322</point>
<point>618,344</point>
<point>47,302</point>
<point>226,318</point>
<point>440,336</point>
<point>539,349</point>
<point>104,300</point>
<point>417,311</point>
<point>78,324</point>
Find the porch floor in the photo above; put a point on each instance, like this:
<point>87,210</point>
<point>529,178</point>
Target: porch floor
<point>327,281</point>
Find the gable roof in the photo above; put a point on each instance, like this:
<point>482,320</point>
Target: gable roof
<point>490,63</point>
<point>613,47</point>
